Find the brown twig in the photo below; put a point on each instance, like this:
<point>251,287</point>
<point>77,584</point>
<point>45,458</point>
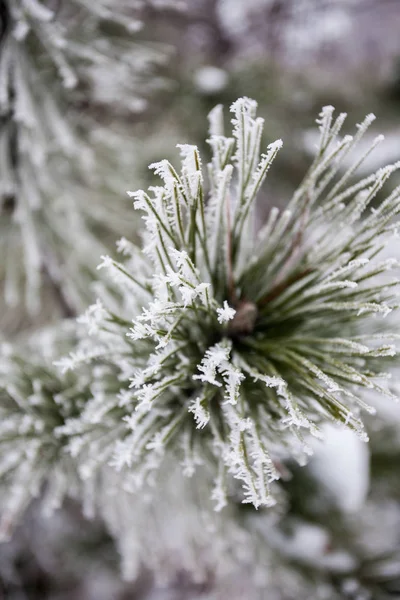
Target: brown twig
<point>281,282</point>
<point>51,271</point>
<point>281,287</point>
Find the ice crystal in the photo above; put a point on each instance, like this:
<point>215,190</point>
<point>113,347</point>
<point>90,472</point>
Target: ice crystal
<point>232,346</point>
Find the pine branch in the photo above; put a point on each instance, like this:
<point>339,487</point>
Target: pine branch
<point>58,177</point>
<point>247,343</point>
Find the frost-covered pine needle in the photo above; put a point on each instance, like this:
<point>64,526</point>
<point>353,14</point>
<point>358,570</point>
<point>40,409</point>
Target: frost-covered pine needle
<point>232,346</point>
<point>59,171</point>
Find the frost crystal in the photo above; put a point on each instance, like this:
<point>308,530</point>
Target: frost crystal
<point>226,313</point>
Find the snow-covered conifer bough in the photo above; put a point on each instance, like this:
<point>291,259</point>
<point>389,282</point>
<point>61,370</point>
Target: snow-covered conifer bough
<point>231,345</point>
